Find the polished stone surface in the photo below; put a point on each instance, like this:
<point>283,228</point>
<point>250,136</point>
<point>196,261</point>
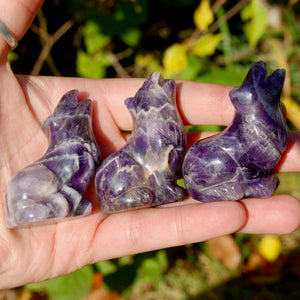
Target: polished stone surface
<point>52,187</point>
<point>143,173</point>
<point>238,162</point>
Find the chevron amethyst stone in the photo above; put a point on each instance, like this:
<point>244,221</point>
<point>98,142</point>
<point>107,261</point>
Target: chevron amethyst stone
<point>143,173</point>
<point>53,186</point>
<point>238,162</point>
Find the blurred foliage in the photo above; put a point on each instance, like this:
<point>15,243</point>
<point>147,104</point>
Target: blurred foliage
<point>208,41</point>
<point>70,287</point>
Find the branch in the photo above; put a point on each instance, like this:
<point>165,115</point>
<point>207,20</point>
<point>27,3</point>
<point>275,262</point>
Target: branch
<point>117,66</point>
<point>50,41</point>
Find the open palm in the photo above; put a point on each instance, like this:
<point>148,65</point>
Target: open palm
<point>41,252</point>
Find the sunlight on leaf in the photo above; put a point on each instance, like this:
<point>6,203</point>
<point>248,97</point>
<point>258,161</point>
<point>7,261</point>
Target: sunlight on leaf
<point>131,36</point>
<point>175,58</point>
<point>269,247</point>
<point>181,182</point>
<point>207,44</point>
<point>203,15</point>
<point>92,66</point>
<point>106,267</point>
<point>256,16</point>
<point>12,56</point>
<point>94,38</point>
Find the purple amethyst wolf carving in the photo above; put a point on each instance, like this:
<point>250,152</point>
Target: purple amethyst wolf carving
<point>143,172</point>
<point>53,186</point>
<point>238,162</point>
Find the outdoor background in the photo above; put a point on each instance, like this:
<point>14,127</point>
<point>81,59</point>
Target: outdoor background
<point>215,42</point>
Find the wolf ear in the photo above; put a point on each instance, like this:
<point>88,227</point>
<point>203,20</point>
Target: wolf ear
<point>256,74</point>
<point>68,103</point>
<point>131,106</point>
<point>275,82</point>
<point>170,89</point>
<point>84,107</point>
<point>153,79</point>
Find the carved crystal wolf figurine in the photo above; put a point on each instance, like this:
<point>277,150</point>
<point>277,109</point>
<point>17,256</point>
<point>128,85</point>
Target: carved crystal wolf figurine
<point>143,173</point>
<point>53,186</point>
<point>238,162</point>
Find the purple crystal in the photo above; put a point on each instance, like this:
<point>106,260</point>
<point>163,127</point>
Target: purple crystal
<point>143,172</point>
<point>53,186</point>
<point>238,162</point>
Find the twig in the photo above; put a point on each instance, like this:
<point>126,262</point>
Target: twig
<point>124,54</point>
<point>39,31</point>
<point>217,5</point>
<point>228,15</point>
<point>117,66</point>
<point>50,41</point>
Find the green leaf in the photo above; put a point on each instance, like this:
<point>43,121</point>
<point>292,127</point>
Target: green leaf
<point>73,286</point>
<point>152,269</point>
<point>180,182</point>
<point>192,69</point>
<point>228,76</point>
<point>257,16</point>
<point>198,128</point>
<point>94,37</point>
<point>106,267</point>
<point>162,259</point>
<point>12,56</point>
<point>92,66</point>
<point>131,36</point>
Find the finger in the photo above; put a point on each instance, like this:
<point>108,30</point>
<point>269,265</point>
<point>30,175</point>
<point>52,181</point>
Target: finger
<point>111,112</point>
<point>203,103</point>
<point>213,107</point>
<point>279,214</point>
<point>150,229</point>
<point>17,16</point>
<point>70,245</point>
<point>198,103</point>
<point>289,161</point>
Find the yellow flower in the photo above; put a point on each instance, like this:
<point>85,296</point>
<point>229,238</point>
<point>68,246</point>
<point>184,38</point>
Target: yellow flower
<point>203,15</point>
<point>269,247</point>
<point>175,58</point>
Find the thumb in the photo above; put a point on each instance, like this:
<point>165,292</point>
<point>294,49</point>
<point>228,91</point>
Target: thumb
<point>17,16</point>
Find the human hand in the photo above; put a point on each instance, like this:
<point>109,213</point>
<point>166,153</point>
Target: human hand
<point>41,252</point>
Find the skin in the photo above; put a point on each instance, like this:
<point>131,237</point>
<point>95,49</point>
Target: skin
<point>67,246</point>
